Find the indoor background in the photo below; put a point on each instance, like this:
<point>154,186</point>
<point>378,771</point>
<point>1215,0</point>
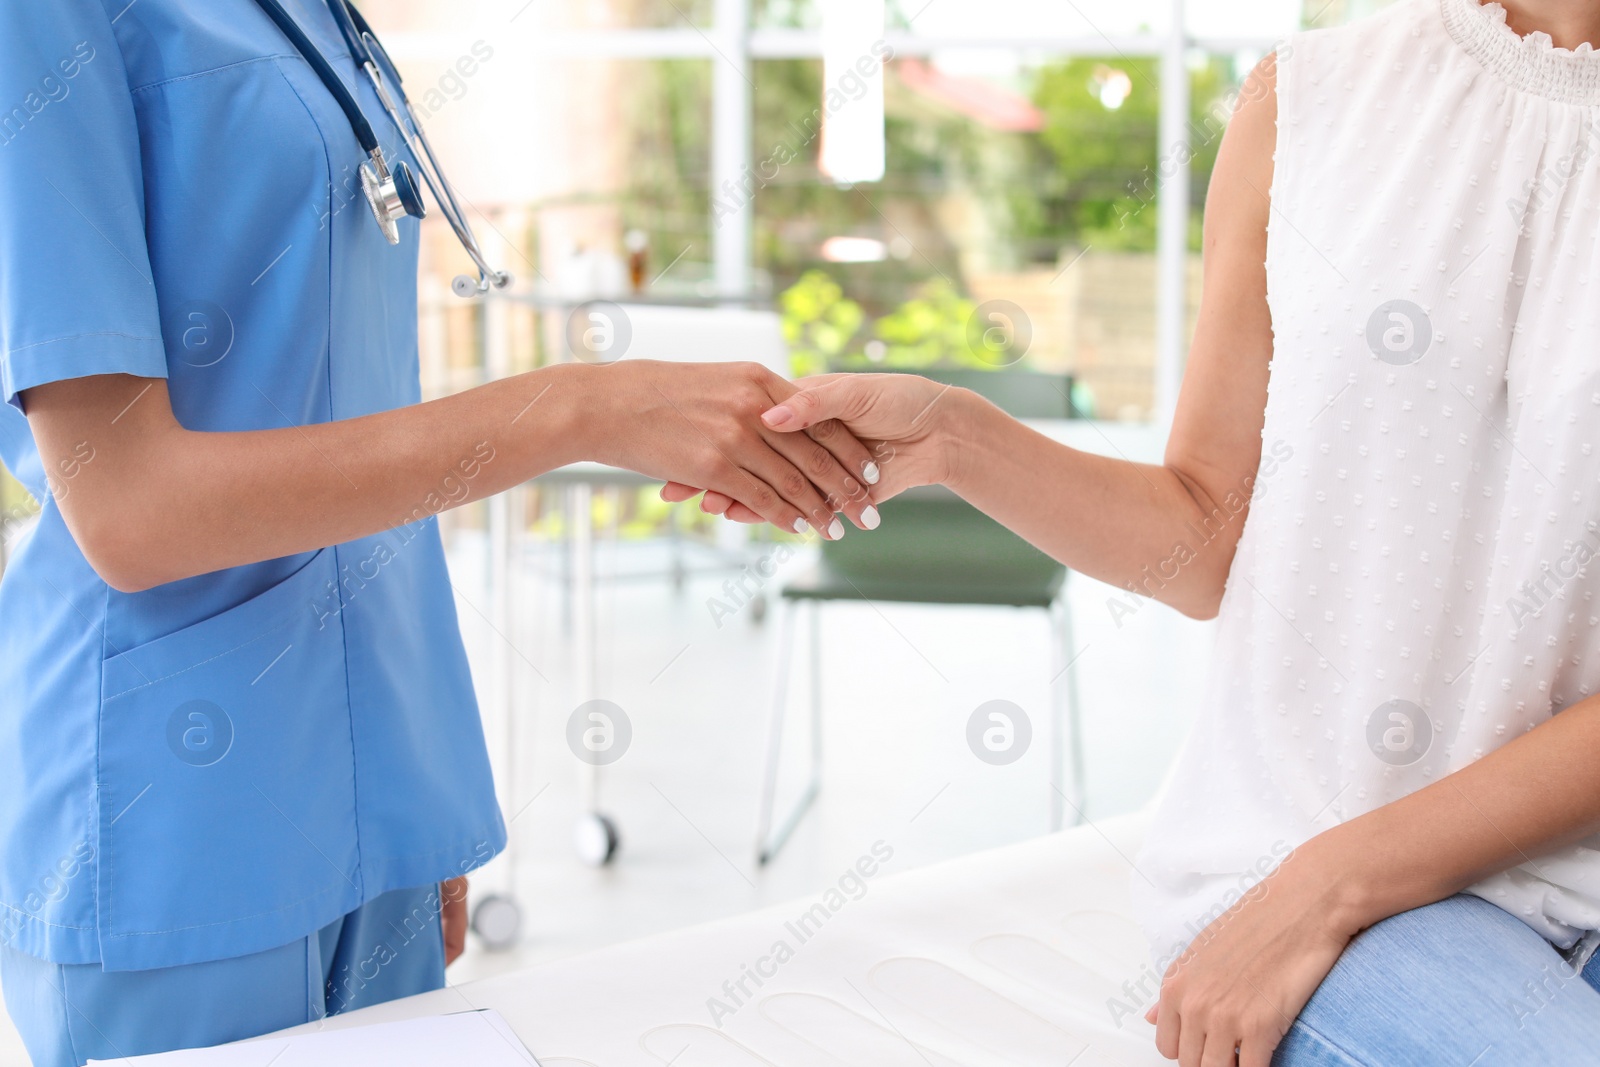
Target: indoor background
<point>713,175</point>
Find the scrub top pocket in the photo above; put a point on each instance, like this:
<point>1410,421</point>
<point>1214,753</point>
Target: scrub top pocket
<point>230,741</point>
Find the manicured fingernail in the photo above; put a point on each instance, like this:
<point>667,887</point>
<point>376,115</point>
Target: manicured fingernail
<point>835,530</point>
<point>799,526</point>
<point>778,416</point>
<point>870,517</point>
<point>869,471</point>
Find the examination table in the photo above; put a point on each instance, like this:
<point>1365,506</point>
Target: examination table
<point>1021,955</point>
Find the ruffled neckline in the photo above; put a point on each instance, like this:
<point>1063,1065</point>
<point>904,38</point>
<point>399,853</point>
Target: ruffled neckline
<point>1532,63</point>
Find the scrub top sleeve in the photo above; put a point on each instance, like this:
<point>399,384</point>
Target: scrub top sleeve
<point>76,290</point>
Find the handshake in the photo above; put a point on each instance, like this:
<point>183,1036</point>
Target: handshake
<point>761,449</point>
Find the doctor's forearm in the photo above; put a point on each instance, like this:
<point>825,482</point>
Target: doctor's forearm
<point>157,502</point>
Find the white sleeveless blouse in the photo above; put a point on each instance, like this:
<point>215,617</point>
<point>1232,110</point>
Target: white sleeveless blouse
<point>1416,583</point>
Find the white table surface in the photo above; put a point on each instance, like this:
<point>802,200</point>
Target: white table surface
<point>1010,956</point>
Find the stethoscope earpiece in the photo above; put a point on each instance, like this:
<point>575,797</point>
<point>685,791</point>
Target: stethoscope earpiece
<point>466,286</point>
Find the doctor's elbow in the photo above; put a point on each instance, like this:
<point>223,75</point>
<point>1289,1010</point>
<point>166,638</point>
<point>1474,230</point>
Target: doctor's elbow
<point>115,544</point>
<point>121,568</point>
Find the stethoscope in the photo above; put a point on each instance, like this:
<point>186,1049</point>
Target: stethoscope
<point>390,190</point>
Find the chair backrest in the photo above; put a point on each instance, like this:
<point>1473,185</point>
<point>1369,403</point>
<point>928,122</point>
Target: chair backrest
<point>680,334</point>
<point>933,540</point>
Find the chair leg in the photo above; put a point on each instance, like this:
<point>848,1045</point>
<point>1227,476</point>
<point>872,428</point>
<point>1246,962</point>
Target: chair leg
<point>768,841</point>
<point>1066,733</point>
<point>678,568</point>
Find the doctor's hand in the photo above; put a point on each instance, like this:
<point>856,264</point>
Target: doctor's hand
<point>453,917</point>
<point>904,418</point>
<point>699,424</point>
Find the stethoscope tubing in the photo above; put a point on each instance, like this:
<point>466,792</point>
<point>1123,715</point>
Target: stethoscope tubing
<point>330,77</point>
<point>373,58</point>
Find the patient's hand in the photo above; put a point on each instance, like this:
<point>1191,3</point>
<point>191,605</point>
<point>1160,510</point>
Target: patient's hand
<point>1241,982</point>
<point>902,418</point>
<point>700,424</point>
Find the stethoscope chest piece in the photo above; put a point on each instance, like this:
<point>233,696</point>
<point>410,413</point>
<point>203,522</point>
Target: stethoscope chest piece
<point>392,195</point>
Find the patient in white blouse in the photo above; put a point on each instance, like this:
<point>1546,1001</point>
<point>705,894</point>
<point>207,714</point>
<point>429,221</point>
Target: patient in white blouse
<point>1379,845</point>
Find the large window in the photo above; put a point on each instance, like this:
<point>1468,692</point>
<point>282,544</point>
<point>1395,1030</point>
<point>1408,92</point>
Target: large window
<point>1025,151</point>
<point>1012,182</point>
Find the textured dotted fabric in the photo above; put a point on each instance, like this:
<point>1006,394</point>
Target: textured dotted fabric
<point>1416,583</point>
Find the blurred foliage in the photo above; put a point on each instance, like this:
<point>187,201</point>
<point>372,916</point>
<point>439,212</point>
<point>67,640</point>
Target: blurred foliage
<point>1088,178</point>
<point>828,331</point>
<point>13,497</point>
<point>1105,163</point>
<point>666,141</point>
<point>785,14</point>
<point>933,328</point>
<point>819,322</point>
<point>17,508</point>
<point>797,207</point>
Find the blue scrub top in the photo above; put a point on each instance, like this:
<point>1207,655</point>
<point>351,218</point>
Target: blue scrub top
<point>224,764</point>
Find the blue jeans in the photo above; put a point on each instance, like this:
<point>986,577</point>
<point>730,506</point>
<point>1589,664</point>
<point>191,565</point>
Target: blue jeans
<point>1459,983</point>
<point>390,947</point>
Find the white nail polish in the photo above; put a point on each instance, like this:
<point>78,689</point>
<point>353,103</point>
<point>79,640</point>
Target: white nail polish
<point>800,526</point>
<point>869,471</point>
<point>835,530</point>
<point>870,517</point>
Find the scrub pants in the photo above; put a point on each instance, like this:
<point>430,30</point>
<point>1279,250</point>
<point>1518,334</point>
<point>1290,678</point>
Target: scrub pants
<point>1459,983</point>
<point>391,947</point>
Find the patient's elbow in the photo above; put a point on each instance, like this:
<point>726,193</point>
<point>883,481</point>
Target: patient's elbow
<point>1199,599</point>
<point>1203,610</point>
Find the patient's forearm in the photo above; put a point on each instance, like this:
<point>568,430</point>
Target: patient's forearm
<point>1533,795</point>
<point>1152,529</point>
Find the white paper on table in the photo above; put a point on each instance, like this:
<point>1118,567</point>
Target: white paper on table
<point>481,1038</point>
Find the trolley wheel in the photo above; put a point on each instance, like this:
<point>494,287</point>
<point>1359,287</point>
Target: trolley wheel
<point>596,839</point>
<point>758,610</point>
<point>498,921</point>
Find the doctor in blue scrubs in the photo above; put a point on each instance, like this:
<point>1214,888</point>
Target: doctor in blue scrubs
<point>239,748</point>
